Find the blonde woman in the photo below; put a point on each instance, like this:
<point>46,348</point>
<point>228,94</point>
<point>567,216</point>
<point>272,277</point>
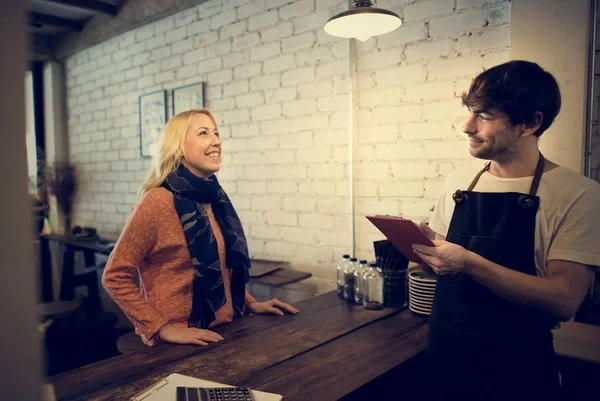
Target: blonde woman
<point>186,241</point>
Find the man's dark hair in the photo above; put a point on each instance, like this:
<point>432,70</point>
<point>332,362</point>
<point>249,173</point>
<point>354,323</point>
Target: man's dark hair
<point>518,89</point>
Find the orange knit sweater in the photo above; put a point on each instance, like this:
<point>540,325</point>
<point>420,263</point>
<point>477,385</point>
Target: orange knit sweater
<point>153,244</point>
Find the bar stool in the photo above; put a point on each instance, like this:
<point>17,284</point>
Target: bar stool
<point>49,311</point>
<point>55,310</point>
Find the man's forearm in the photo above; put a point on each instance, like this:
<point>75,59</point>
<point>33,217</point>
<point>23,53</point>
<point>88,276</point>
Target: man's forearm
<point>520,288</point>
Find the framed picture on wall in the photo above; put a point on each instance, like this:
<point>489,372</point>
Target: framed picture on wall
<point>188,97</point>
<point>153,117</point>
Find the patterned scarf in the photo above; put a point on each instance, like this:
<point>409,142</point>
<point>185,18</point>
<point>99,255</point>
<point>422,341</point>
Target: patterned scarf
<point>189,193</point>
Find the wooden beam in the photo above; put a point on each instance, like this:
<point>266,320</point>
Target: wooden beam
<point>44,19</point>
<point>91,5</point>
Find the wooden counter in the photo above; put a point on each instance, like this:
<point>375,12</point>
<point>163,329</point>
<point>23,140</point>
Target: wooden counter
<point>326,352</point>
<point>578,341</point>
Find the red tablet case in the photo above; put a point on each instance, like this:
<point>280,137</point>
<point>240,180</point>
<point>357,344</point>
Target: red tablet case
<point>403,233</point>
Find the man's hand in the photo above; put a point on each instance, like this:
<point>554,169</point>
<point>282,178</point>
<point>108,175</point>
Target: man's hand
<point>273,306</point>
<point>431,235</point>
<point>445,257</point>
<point>187,335</point>
<point>427,231</point>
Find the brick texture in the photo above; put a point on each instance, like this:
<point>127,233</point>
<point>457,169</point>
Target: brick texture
<point>278,85</point>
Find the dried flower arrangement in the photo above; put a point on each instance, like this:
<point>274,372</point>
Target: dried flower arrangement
<point>60,179</point>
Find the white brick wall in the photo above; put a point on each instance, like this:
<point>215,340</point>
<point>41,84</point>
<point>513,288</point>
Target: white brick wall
<point>409,85</point>
<point>278,86</point>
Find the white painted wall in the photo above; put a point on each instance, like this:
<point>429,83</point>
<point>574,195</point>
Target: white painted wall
<point>30,128</point>
<point>555,34</point>
<point>278,86</point>
<point>55,131</point>
<point>55,127</point>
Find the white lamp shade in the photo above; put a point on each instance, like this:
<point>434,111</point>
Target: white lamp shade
<point>362,23</point>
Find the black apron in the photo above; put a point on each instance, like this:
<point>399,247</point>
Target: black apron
<point>481,346</point>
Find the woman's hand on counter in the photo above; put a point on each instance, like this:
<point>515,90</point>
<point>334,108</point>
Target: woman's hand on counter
<point>273,306</point>
<point>187,335</point>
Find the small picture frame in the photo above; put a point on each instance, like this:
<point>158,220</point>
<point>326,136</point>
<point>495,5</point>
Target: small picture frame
<point>153,117</point>
<point>187,97</point>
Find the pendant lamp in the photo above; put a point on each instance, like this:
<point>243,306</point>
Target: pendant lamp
<point>362,21</point>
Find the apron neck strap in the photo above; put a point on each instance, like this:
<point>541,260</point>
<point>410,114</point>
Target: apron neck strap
<point>474,182</point>
<point>539,169</point>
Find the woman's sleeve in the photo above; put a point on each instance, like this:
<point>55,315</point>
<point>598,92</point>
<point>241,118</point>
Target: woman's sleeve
<point>137,240</point>
<point>248,298</point>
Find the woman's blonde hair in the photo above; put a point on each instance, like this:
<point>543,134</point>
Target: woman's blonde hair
<point>170,148</point>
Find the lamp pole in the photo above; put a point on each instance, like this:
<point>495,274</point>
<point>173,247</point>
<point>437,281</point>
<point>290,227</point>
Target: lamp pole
<point>351,137</point>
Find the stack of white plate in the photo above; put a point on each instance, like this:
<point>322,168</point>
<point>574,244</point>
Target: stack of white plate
<point>421,290</point>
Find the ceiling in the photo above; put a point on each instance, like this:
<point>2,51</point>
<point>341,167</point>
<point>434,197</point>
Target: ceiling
<point>48,19</point>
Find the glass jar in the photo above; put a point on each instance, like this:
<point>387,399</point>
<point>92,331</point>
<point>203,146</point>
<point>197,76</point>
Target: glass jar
<point>340,274</point>
<point>395,288</point>
<point>349,280</point>
<point>359,282</point>
<point>373,288</point>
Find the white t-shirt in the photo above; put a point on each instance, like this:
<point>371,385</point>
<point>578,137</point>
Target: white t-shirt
<point>567,224</point>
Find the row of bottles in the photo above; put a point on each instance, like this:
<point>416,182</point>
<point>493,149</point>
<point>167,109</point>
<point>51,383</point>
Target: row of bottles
<point>360,283</point>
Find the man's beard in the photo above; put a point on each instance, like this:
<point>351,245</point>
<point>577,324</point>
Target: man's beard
<point>496,151</point>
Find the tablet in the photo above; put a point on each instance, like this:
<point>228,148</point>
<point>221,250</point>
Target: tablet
<point>403,233</point>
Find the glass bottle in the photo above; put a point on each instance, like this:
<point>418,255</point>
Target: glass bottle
<point>367,275</point>
<point>358,282</point>
<point>373,289</point>
<point>349,280</point>
<point>340,274</point>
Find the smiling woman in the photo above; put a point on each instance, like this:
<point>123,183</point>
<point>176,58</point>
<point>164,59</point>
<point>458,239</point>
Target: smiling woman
<point>202,150</point>
<point>186,242</point>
